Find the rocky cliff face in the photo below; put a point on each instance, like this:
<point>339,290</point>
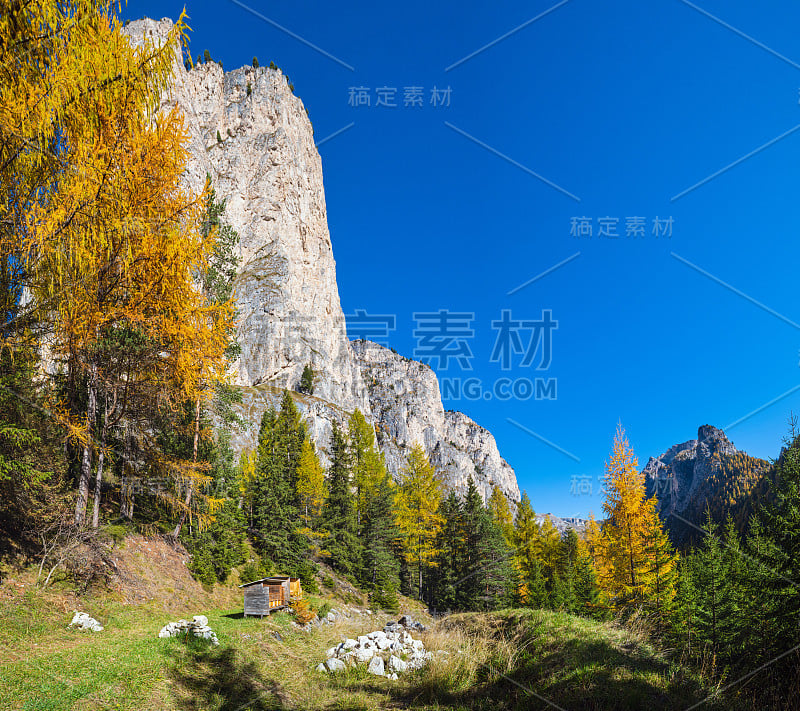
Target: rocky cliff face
<point>704,472</point>
<point>407,408</point>
<point>253,137</point>
<point>250,133</point>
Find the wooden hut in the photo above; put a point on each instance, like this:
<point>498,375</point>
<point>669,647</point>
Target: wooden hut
<point>262,597</point>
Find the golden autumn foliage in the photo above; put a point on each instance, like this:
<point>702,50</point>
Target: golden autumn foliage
<point>418,501</point>
<point>634,558</point>
<point>312,490</point>
<point>95,212</point>
<point>501,514</point>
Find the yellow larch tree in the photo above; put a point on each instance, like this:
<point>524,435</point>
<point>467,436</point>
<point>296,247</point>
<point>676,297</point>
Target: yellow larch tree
<point>312,490</point>
<point>115,244</point>
<point>526,542</point>
<point>631,534</point>
<point>596,548</point>
<point>368,466</point>
<point>418,518</point>
<point>501,514</point>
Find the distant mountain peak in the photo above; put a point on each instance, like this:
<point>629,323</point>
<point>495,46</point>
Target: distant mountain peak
<point>705,472</point>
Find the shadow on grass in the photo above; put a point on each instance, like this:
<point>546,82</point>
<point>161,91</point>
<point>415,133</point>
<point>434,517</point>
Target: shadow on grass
<point>234,616</point>
<point>566,673</point>
<point>213,679</point>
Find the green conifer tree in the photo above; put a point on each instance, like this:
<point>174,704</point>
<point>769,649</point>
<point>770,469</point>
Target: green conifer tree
<point>339,518</point>
<point>449,544</point>
<point>380,565</point>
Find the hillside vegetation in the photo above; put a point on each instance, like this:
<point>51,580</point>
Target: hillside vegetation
<point>515,659</point>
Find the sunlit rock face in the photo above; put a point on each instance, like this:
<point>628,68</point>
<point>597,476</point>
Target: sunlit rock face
<point>251,134</point>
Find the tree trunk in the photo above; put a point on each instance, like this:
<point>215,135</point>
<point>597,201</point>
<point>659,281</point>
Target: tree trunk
<point>190,485</point>
<point>86,462</point>
<point>127,490</point>
<point>98,482</point>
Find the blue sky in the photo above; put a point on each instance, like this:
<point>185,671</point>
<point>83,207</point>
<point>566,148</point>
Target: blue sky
<point>595,110</point>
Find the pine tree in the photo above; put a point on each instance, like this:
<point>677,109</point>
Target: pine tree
<point>339,517</point>
<point>275,500</point>
<point>535,593</point>
<point>485,569</point>
<point>774,545</point>
<point>711,585</point>
<point>307,380</point>
<point>499,580</point>
<point>417,513</point>
<point>589,598</point>
<point>735,622</point>
<point>380,566</point>
<point>473,566</point>
<point>445,575</point>
<point>684,611</point>
<point>564,587</point>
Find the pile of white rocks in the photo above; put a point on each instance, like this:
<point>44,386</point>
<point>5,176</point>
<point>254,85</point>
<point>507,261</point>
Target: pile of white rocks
<point>82,621</point>
<point>197,627</point>
<point>387,652</point>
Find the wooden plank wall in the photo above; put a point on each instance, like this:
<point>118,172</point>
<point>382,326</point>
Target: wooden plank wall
<point>256,600</point>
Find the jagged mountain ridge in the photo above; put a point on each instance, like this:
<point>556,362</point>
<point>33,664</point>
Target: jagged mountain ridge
<point>562,525</point>
<point>407,408</point>
<point>705,472</point>
<point>250,133</point>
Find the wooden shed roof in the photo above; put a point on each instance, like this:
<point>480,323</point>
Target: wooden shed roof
<point>274,580</point>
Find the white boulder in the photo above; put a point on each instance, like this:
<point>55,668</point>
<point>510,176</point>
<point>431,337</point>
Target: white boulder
<point>335,665</point>
<point>376,667</point>
<point>396,664</point>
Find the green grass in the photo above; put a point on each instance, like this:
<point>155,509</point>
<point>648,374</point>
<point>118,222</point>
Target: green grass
<point>507,660</point>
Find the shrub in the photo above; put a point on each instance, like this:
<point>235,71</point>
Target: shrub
<point>303,612</point>
<point>249,89</point>
<point>255,62</point>
<point>116,533</point>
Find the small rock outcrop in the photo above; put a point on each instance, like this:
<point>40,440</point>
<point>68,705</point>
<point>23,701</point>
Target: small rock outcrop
<point>198,627</point>
<point>82,621</point>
